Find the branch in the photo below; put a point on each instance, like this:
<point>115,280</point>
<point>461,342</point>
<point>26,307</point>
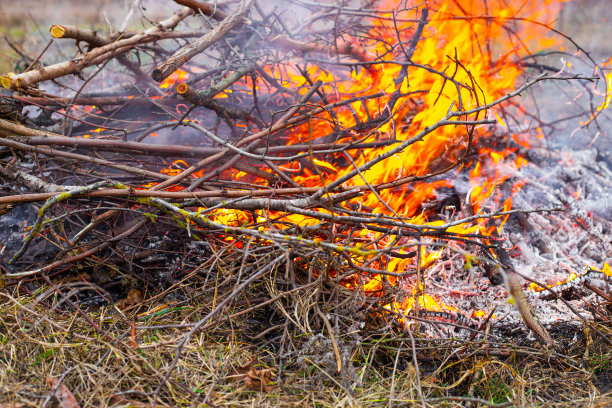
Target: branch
<point>93,57</point>
<point>176,61</point>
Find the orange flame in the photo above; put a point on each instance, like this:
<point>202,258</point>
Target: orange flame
<point>177,76</point>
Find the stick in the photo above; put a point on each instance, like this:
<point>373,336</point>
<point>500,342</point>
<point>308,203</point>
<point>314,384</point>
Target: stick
<point>58,153</point>
<point>176,61</point>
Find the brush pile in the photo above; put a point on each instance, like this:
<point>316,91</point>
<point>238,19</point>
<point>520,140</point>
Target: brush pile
<point>310,179</point>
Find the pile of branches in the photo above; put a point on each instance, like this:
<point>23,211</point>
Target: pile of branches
<point>123,205</point>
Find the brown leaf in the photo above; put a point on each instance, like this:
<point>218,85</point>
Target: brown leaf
<point>13,405</point>
<point>255,379</point>
<point>133,297</point>
<point>63,394</point>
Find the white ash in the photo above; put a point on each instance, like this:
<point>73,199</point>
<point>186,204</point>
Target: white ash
<point>556,245</point>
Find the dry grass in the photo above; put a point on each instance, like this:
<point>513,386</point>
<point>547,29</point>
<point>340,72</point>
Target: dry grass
<point>103,365</point>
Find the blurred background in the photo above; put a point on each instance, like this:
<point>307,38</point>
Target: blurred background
<point>25,23</point>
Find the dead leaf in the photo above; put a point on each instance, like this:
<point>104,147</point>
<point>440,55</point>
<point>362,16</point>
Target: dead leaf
<point>13,405</point>
<point>255,379</point>
<point>62,393</point>
<point>133,297</point>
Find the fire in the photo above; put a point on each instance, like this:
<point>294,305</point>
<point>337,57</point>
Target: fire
<point>177,76</point>
<point>451,32</point>
<point>457,38</point>
<point>469,54</point>
<point>537,288</point>
<point>606,103</point>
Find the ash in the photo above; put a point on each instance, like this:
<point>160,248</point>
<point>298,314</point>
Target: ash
<point>552,247</point>
<point>564,250</point>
